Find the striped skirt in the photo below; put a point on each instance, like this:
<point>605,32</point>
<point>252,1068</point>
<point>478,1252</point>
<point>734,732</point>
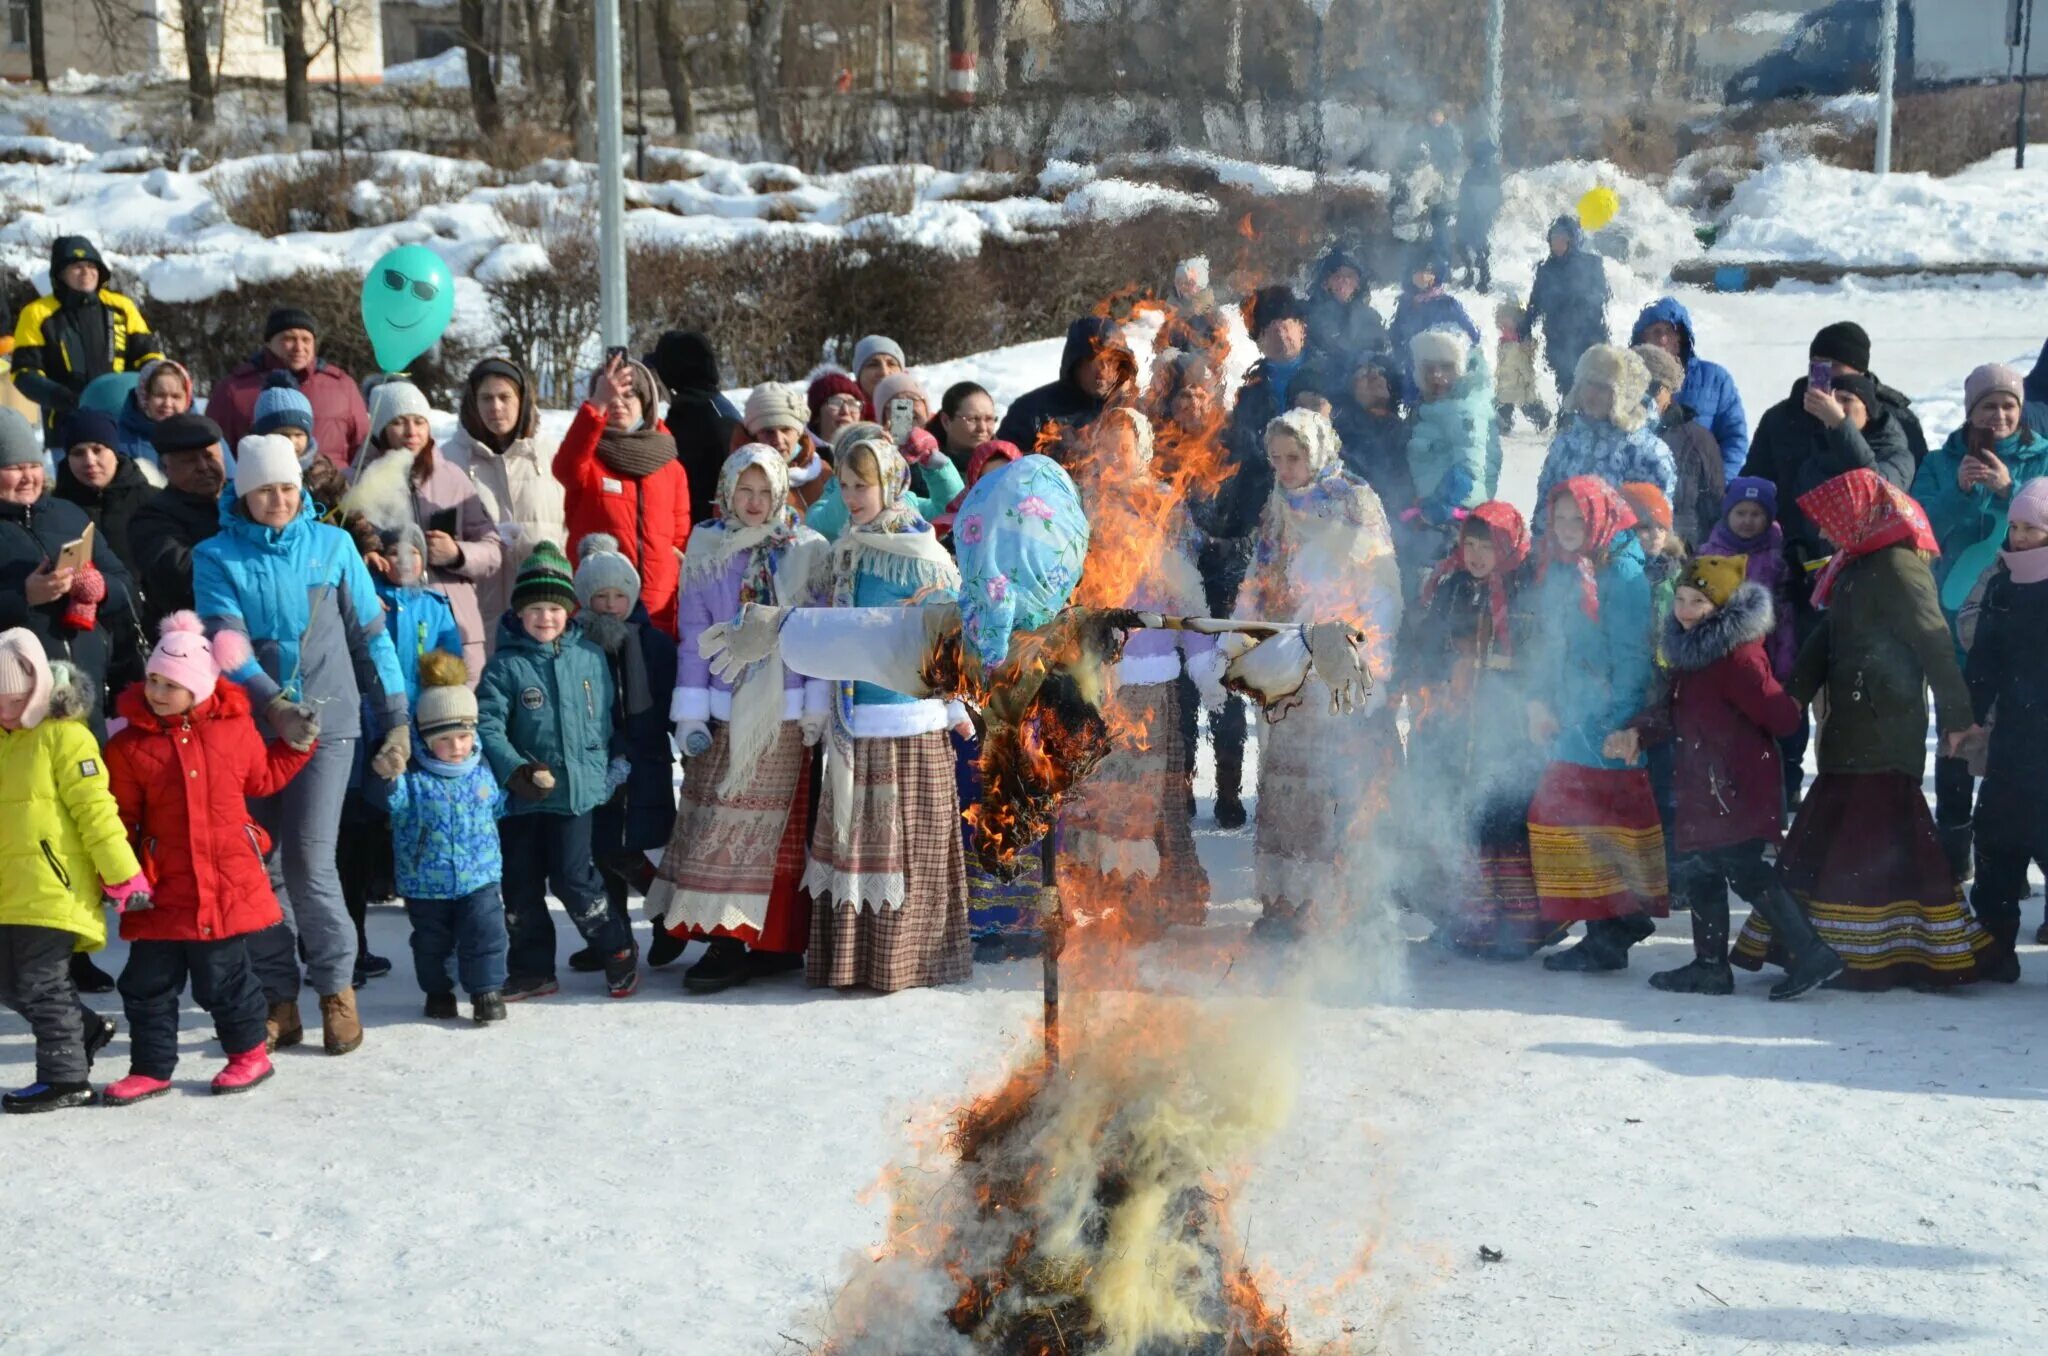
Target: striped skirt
<point>1126,843</point>
<point>1863,860</point>
<point>1497,912</point>
<point>997,910</point>
<point>1596,846</point>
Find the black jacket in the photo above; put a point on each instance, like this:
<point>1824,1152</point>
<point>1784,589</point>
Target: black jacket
<point>1569,299</point>
<point>65,339</point>
<point>1375,449</point>
<point>162,535</point>
<point>699,417</point>
<point>1343,332</point>
<point>1229,517</point>
<point>2008,667</point>
<point>1061,402</point>
<point>1796,452</point>
<point>112,509</point>
<point>32,534</point>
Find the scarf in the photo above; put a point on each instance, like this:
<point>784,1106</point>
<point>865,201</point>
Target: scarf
<point>440,768</point>
<point>2026,567</point>
<point>1861,512</point>
<point>1607,516</point>
<point>1313,543</point>
<point>1023,543</point>
<point>636,453</point>
<point>1510,535</point>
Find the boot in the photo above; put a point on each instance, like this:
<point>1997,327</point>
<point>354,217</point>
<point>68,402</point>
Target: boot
<point>1700,976</point>
<point>1505,414</point>
<point>340,1029</point>
<point>1956,841</point>
<point>766,964</point>
<point>136,1087</point>
<point>282,1028</point>
<point>487,1007</point>
<point>1591,955</point>
<point>87,977</point>
<point>666,948</point>
<point>1229,811</point>
<point>519,988</point>
<point>38,1097</point>
<point>1709,972</point>
<point>369,967</point>
<point>98,1035</point>
<point>588,961</point>
<point>2000,962</point>
<point>2041,933</point>
<point>1810,962</point>
<point>723,965</point>
<point>441,1007</point>
<point>244,1072</point>
<point>622,972</point>
<point>1229,779</point>
<point>1817,965</point>
<point>1537,415</point>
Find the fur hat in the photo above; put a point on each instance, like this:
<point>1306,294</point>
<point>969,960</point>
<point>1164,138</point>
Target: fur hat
<point>185,657</point>
<point>1649,503</point>
<point>1844,342</point>
<point>877,345</point>
<point>445,701</point>
<point>1993,379</point>
<point>1666,372</point>
<point>1444,346</point>
<point>544,578</point>
<point>773,404</point>
<point>1716,576</point>
<point>1621,371</point>
<point>268,459</point>
<point>25,672</point>
<point>1271,305</point>
<point>1751,490</point>
<point>602,567</point>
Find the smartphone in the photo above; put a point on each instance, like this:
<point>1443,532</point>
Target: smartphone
<point>75,554</point>
<point>1820,376</point>
<point>902,418</point>
<point>617,353</point>
<point>443,521</point>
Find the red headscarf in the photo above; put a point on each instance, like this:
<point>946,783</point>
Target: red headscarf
<point>1607,516</point>
<point>1860,512</point>
<point>1510,535</point>
<point>985,458</point>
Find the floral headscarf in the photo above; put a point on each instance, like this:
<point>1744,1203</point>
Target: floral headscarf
<point>1333,526</point>
<point>991,456</point>
<point>1504,523</point>
<point>1607,516</point>
<point>1022,539</point>
<point>1861,512</point>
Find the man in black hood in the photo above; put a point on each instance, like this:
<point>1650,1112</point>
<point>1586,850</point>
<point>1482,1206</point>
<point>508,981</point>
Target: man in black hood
<point>1096,371</point>
<point>82,329</point>
<point>700,418</point>
<point>1343,327</point>
<point>1569,300</point>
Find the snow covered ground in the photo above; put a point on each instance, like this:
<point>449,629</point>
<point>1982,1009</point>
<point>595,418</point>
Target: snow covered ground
<point>1661,1175</point>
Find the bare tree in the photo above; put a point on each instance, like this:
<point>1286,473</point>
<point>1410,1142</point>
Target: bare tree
<point>483,86</point>
<point>38,50</point>
<point>573,40</point>
<point>764,74</point>
<point>674,52</point>
<point>298,63</point>
<point>992,19</point>
<point>199,83</point>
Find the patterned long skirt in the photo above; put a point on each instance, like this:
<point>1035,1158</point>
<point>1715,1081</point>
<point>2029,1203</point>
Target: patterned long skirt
<point>1596,846</point>
<point>1497,912</point>
<point>889,908</point>
<point>997,910</point>
<point>1126,844</point>
<point>734,866</point>
<point>1323,782</point>
<point>1863,860</point>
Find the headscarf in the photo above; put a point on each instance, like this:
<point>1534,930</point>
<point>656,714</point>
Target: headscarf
<point>1023,541</point>
<point>639,452</point>
<point>1510,533</point>
<point>1861,512</point>
<point>472,422</point>
<point>1607,516</point>
<point>989,457</point>
<point>1334,524</point>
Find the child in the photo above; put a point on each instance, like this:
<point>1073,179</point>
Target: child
<point>1862,856</point>
<point>1596,846</point>
<point>733,872</point>
<point>284,410</point>
<point>544,713</point>
<point>776,416</point>
<point>1663,552</point>
<point>887,879</point>
<point>641,809</point>
<point>1514,368</point>
<point>2006,672</point>
<point>65,853</point>
<point>183,772</point>
<point>1749,529</point>
<point>1471,765</point>
<point>1454,441</point>
<point>444,809</point>
<point>1726,713</point>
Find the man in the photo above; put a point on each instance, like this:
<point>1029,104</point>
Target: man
<point>1709,389</point>
<point>186,512</point>
<point>1342,324</point>
<point>291,343</point>
<point>81,330</point>
<point>1096,370</point>
<point>1569,300</point>
<point>876,358</point>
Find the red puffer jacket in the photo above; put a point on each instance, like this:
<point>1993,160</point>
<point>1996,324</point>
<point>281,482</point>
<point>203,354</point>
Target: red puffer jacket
<point>650,515</point>
<point>184,790</point>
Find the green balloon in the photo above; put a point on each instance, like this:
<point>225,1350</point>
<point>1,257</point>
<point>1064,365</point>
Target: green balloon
<point>408,300</point>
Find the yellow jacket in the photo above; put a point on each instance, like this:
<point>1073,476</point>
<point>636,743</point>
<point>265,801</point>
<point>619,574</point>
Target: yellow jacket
<point>52,354</point>
<point>63,831</point>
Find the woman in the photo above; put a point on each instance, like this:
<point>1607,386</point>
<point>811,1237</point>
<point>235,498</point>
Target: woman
<point>164,388</point>
<point>619,469</point>
<point>966,420</point>
<point>1425,305</point>
<point>500,444</point>
<point>835,400</point>
<point>1596,846</point>
<point>98,477</point>
<point>1323,552</point>
<point>299,591</point>
<point>1862,856</point>
<point>1606,430</point>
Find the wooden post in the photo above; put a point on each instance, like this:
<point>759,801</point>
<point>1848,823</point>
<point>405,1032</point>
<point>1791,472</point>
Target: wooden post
<point>1053,919</point>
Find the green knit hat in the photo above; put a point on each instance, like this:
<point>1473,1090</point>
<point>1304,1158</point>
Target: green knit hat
<point>545,578</point>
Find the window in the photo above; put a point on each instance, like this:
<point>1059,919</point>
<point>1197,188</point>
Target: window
<point>273,23</point>
<point>210,12</point>
<point>17,25</point>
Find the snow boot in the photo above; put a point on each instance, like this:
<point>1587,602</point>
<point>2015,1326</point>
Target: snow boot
<point>1810,961</point>
<point>1817,965</point>
<point>767,964</point>
<point>1709,972</point>
<point>2041,933</point>
<point>666,948</point>
<point>244,1072</point>
<point>723,965</point>
<point>136,1087</point>
<point>519,988</point>
<point>1956,843</point>
<point>1701,976</point>
<point>441,1007</point>
<point>87,977</point>
<point>1504,415</point>
<point>39,1097</point>
<point>1229,811</point>
<point>1602,949</point>
<point>98,1036</point>
<point>588,961</point>
<point>341,1030</point>
<point>369,967</point>
<point>2000,962</point>
<point>622,972</point>
<point>283,1027</point>
<point>487,1007</point>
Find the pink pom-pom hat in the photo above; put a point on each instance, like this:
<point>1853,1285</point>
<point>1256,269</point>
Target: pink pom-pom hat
<point>184,657</point>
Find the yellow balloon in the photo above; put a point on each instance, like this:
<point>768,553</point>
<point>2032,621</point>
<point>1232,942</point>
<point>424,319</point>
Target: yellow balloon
<point>1598,207</point>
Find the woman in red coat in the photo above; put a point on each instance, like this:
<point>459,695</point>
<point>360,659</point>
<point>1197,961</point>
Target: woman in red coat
<point>1727,714</point>
<point>618,468</point>
<point>183,772</point>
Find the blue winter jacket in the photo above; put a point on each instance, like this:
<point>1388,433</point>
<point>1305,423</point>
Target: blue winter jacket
<point>419,620</point>
<point>1597,447</point>
<point>132,429</point>
<point>1709,390</point>
<point>1971,527</point>
<point>444,825</point>
<point>1454,446</point>
<point>549,704</point>
<point>1595,674</point>
<point>303,597</point>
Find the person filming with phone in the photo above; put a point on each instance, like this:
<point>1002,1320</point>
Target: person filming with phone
<point>903,409</point>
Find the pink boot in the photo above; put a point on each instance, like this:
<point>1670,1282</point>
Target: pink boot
<point>136,1087</point>
<point>244,1071</point>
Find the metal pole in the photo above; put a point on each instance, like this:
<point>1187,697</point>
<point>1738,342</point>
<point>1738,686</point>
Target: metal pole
<point>2019,148</point>
<point>639,116</point>
<point>611,182</point>
<point>1496,44</point>
<point>334,41</point>
<point>1887,65</point>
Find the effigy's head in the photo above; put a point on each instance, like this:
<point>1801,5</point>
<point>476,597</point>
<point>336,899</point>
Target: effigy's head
<point>1021,538</point>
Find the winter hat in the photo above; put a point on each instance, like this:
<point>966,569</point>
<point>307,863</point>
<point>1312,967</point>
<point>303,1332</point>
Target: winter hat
<point>603,567</point>
<point>266,459</point>
<point>1666,372</point>
<point>1717,576</point>
<point>1861,386</point>
<point>685,362</point>
<point>18,442</point>
<point>393,542</point>
<point>393,400</point>
<point>2030,504</point>
<point>829,385</point>
<point>1751,490</point>
<point>1993,379</point>
<point>187,432</point>
<point>25,672</point>
<point>1440,346</point>
<point>1271,305</point>
<point>653,395</point>
<point>282,405</point>
<point>90,426</point>
<point>545,578</point>
<point>1844,342</point>
<point>1649,503</point>
<point>900,384</point>
<point>445,701</point>
<point>773,404</point>
<point>1195,271</point>
<point>289,318</point>
<point>877,345</point>
<point>145,374</point>
<point>185,657</point>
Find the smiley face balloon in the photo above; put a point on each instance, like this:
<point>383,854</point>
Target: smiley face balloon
<point>408,300</point>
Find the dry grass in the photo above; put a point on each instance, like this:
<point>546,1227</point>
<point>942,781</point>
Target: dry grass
<point>891,192</point>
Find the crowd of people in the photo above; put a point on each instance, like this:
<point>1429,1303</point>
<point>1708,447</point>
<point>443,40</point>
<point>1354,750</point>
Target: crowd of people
<point>266,664</point>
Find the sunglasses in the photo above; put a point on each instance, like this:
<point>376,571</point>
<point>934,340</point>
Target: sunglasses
<point>397,282</point>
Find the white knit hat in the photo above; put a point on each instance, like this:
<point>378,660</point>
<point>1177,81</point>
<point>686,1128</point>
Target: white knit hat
<point>1440,346</point>
<point>900,384</point>
<point>265,459</point>
<point>601,567</point>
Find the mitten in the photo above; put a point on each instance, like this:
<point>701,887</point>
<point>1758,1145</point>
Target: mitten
<point>395,752</point>
<point>813,724</point>
<point>130,896</point>
<point>922,447</point>
<point>693,737</point>
<point>88,591</point>
<point>296,723</point>
<point>616,773</point>
<point>532,782</point>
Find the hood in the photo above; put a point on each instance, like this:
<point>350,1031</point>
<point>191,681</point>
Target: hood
<point>1672,312</point>
<point>686,363</point>
<point>1748,617</point>
<point>1341,258</point>
<point>1085,338</point>
<point>1606,365</point>
<point>529,417</point>
<point>227,701</point>
<point>1569,227</point>
<point>233,523</point>
<point>73,249</point>
<point>127,476</point>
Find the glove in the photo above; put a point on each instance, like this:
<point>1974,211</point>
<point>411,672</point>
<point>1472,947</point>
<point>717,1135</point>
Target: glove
<point>296,723</point>
<point>747,639</point>
<point>813,724</point>
<point>393,754</point>
<point>88,591</point>
<point>130,896</point>
<point>1333,650</point>
<point>532,783</point>
<point>616,772</point>
<point>693,737</point>
<point>921,448</point>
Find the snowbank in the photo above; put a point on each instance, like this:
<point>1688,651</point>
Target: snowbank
<point>1647,236</point>
<point>450,70</point>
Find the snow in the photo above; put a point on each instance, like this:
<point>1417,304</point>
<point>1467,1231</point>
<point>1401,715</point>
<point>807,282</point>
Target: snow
<point>450,70</point>
<point>1768,23</point>
<point>1122,200</point>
